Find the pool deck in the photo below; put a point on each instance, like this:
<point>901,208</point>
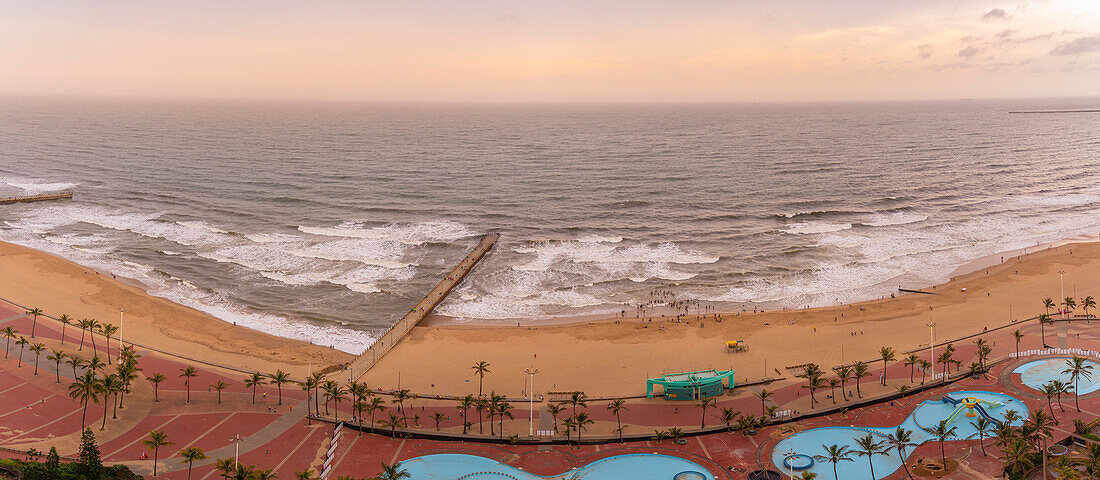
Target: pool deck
<point>35,411</point>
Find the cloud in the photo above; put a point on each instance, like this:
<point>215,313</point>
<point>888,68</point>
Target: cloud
<point>995,15</point>
<point>925,50</point>
<point>969,52</point>
<point>1078,46</point>
<point>1006,33</point>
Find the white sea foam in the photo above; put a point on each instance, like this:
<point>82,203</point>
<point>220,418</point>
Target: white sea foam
<point>808,228</point>
<point>380,253</point>
<point>599,239</point>
<point>894,218</point>
<point>33,186</point>
<point>408,233</point>
<point>272,237</point>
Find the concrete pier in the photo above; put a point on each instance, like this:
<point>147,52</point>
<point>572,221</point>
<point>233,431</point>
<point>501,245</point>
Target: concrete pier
<point>36,198</point>
<point>394,335</point>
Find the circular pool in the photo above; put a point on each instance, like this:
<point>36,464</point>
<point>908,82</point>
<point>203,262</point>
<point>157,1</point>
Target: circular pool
<point>1036,373</point>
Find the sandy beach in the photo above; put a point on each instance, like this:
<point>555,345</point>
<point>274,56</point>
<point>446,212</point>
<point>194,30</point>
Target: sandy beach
<point>613,357</point>
<point>57,286</point>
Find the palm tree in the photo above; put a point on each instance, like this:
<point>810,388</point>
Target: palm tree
<point>728,415</point>
<point>924,366</point>
<point>95,364</point>
<point>8,333</point>
<point>554,409</point>
<point>187,373</point>
<point>1087,303</point>
<point>108,330</point>
<point>219,386</point>
<point>764,395</point>
<point>703,405</point>
<point>309,386</point>
<point>86,388</point>
<point>399,397</point>
<point>227,466</point>
<point>93,325</point>
<point>942,433</point>
<point>1044,319</point>
<point>34,312</point>
<point>868,447</point>
<point>189,455</point>
<point>22,342</point>
<point>156,379</point>
<point>392,423</point>
<point>843,373</point>
<point>578,399</point>
<point>1061,387</point>
<point>393,472</point>
<point>156,440</point>
<point>37,349</point>
<point>1070,304</point>
<point>580,423</point>
<point>279,378</point>
<point>306,475</point>
<point>109,386</point>
<point>74,361</point>
<point>1018,336</point>
<point>1048,304</point>
<point>899,440</point>
<point>335,392</point>
<point>1018,455</point>
<point>378,405</point>
<point>859,370</point>
<point>480,369</point>
<point>983,426</point>
<point>1051,391</point>
<point>616,407</point>
<point>252,382</point>
<point>1078,368</point>
<point>65,321</point>
<point>887,355</point>
<point>833,383</point>
<point>911,361</point>
<point>835,454</point>
<point>57,356</point>
<point>438,417</point>
<point>815,383</point>
<point>504,409</point>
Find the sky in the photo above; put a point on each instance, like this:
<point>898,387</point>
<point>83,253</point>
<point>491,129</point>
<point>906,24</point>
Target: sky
<point>552,51</point>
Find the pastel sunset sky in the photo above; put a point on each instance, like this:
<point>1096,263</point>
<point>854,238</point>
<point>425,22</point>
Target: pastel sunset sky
<point>552,51</point>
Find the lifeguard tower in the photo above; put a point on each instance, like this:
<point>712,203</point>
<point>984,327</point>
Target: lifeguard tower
<point>691,385</point>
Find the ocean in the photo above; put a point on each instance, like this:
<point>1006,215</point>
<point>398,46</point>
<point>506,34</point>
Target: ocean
<point>331,220</point>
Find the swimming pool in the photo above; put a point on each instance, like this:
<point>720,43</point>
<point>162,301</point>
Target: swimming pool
<point>635,466</point>
<point>927,414</point>
<point>1036,373</point>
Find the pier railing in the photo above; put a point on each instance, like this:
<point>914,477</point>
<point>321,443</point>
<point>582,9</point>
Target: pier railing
<point>36,198</point>
<point>394,334</point>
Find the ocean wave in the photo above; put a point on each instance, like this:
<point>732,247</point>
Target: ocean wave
<point>33,186</point>
<point>408,233</point>
<point>893,218</point>
<point>810,228</point>
<point>386,254</point>
<point>272,237</point>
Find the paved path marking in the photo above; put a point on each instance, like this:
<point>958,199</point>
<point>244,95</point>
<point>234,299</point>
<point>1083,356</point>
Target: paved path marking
<point>13,317</point>
<point>25,407</point>
<point>13,388</point>
<point>397,452</point>
<point>136,440</point>
<point>211,429</point>
<point>58,419</point>
<point>296,447</point>
<point>704,447</point>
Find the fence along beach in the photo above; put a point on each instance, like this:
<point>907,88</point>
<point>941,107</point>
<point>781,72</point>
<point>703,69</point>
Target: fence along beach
<point>394,334</point>
<point>36,198</point>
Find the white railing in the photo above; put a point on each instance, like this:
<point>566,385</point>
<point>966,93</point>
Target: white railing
<point>1080,352</point>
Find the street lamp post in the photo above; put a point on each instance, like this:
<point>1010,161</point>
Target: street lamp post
<point>531,402</point>
<point>790,464</point>
<point>237,439</point>
<point>932,346</point>
<point>1062,287</point>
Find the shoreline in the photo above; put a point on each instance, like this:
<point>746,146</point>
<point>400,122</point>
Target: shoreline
<point>980,263</point>
<point>59,286</point>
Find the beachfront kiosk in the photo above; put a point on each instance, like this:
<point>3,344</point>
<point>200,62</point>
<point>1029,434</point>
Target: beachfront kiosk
<point>690,385</point>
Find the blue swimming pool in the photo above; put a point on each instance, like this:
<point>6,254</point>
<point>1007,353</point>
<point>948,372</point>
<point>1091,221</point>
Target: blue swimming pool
<point>927,414</point>
<point>635,466</point>
<point>1036,373</point>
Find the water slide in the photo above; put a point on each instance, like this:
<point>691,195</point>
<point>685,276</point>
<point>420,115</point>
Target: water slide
<point>977,407</point>
<point>982,412</point>
<point>954,414</point>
